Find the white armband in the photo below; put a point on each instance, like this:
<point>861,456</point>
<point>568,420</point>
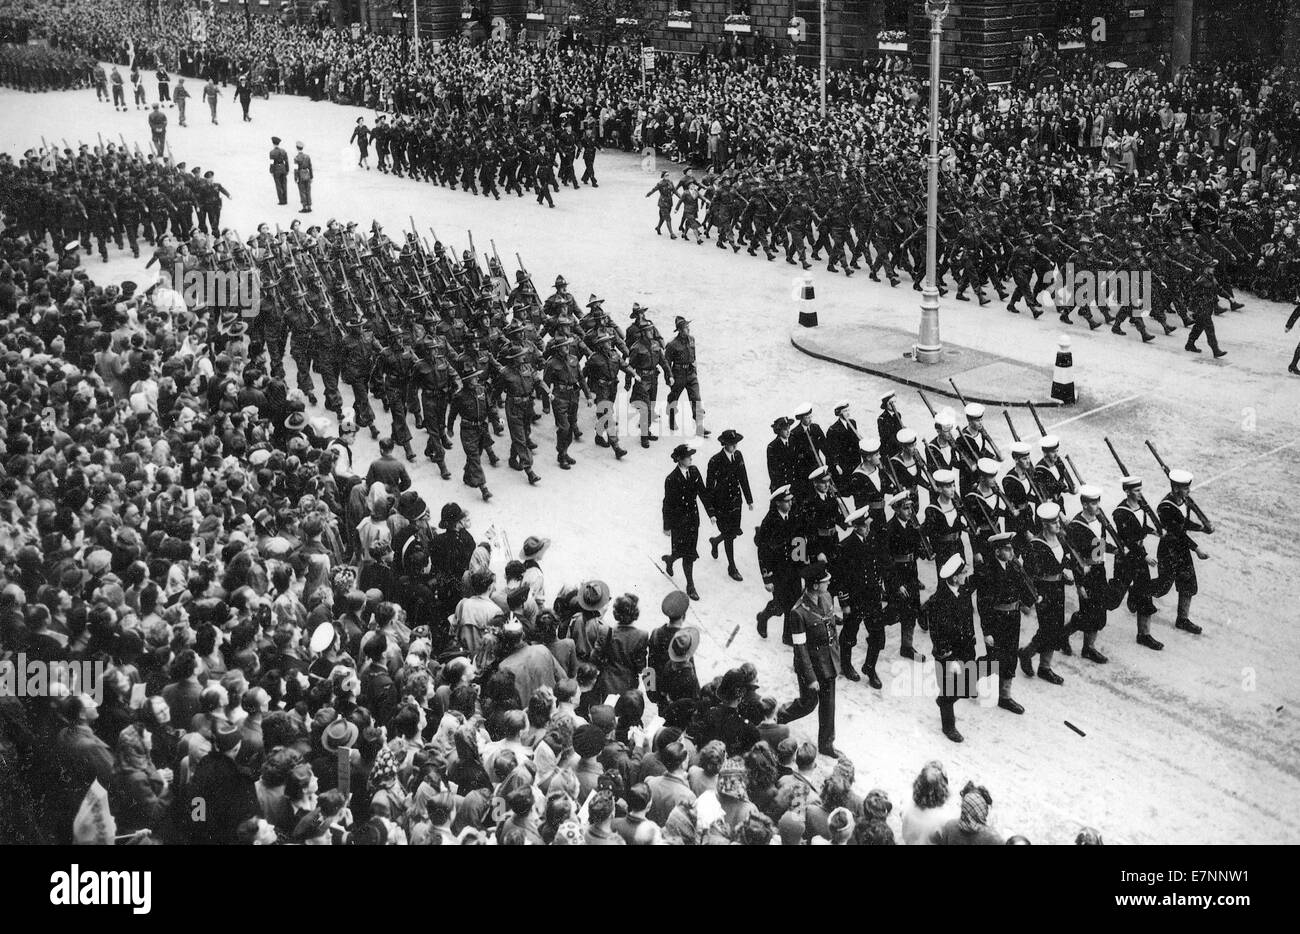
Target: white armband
<point>799,638</point>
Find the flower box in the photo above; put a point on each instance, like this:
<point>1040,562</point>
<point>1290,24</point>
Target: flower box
<point>679,24</point>
<point>892,46</point>
<point>737,27</point>
<point>535,17</point>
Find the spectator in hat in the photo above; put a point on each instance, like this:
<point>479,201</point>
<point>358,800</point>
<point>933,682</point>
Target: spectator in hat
<point>225,792</point>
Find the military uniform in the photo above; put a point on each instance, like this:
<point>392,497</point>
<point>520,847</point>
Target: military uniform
<point>813,629</point>
<point>473,406</point>
<point>520,385</point>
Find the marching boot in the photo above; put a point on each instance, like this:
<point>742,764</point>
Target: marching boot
<point>979,293</point>
<point>713,546</point>
<point>493,459</point>
<point>1005,700</point>
<point>1144,636</point>
<point>761,624</point>
<point>1147,336</point>
<point>532,477</point>
<point>410,455</point>
<point>374,432</point>
<point>443,471</point>
<point>562,461</point>
<point>846,663</point>
<point>1186,625</point>
<point>1027,660</point>
<point>732,571</point>
<point>645,441</point>
<point>601,441</point>
<point>487,494</point>
<point>1106,315</point>
<point>1090,650</point>
<point>668,563</point>
<point>619,452</point>
<point>948,718</point>
<point>960,297</point>
<point>1045,669</point>
<point>688,568</point>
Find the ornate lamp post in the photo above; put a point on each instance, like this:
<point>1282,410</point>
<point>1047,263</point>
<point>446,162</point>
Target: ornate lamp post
<point>929,349</point>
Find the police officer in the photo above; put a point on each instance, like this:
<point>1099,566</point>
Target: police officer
<point>816,657</point>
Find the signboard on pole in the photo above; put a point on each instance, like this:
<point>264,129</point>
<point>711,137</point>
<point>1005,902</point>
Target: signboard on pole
<point>647,58</point>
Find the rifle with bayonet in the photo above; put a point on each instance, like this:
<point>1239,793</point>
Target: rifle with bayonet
<point>1042,431</point>
<point>1146,507</point>
<point>1106,525</point>
<point>1200,515</point>
<point>984,432</point>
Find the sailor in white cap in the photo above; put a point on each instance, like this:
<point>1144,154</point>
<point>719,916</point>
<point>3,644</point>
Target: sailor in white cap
<point>973,443</point>
<point>906,543</point>
<point>984,506</point>
<point>943,523</point>
<point>808,442</point>
<point>866,484</point>
<point>1085,534</point>
<point>778,559</point>
<point>1176,547</point>
<point>1018,491</point>
<point>1132,563</point>
<point>822,514</point>
<point>952,633</point>
<point>1050,474</point>
<point>1046,563</point>
<point>940,450</point>
<point>888,424</point>
<point>905,467</point>
<point>859,585</point>
<point>842,440</point>
<point>1003,590</point>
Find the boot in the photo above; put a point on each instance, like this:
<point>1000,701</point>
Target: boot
<point>1049,676</point>
<point>560,459</point>
<point>1006,701</point>
<point>734,573</point>
<point>761,621</point>
<point>410,455</point>
<point>668,563</point>
<point>442,469</point>
<point>846,663</point>
<point>1027,662</point>
<point>619,452</point>
<point>713,547</point>
<point>948,718</point>
<point>1186,625</point>
<point>487,494</point>
<point>532,477</point>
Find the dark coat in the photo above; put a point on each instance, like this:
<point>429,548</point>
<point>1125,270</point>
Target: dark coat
<point>728,487</point>
<point>780,463</point>
<point>680,514</point>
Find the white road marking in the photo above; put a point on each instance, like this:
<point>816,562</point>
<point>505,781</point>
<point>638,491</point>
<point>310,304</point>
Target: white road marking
<point>1100,408</point>
<point>1236,467</point>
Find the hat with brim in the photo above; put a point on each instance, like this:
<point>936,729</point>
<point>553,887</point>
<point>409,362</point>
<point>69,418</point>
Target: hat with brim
<point>1181,477</point>
<point>684,643</point>
<point>951,567</point>
<point>730,436</point>
<point>682,451</point>
<point>1002,538</point>
<point>535,547</point>
<point>782,423</point>
<point>593,595</point>
<point>816,572</point>
<point>339,735</point>
<point>899,499</point>
<point>638,309</point>
<point>781,492</point>
<point>323,637</point>
<point>296,421</point>
<point>859,516</point>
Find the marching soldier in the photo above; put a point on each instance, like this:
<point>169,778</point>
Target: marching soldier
<point>1047,563</point>
<point>601,371</point>
<point>561,301</point>
<point>1051,474</point>
<point>952,633</point>
<point>360,354</point>
<point>943,524</point>
<point>782,551</point>
<point>867,485</point>
<point>972,444</point>
<point>906,543</point>
<point>727,482</point>
<point>888,424</point>
<point>984,506</point>
<point>564,380</point>
<point>398,367</point>
<point>1176,547</point>
<point>859,577</point>
<point>1018,490</point>
<point>682,487</point>
<point>664,187</point>
<point>680,355</point>
<point>519,383</point>
<point>822,515</point>
<point>435,382</point>
<point>1086,538</point>
<point>646,359</point>
<point>1003,590</point>
<point>474,408</point>
<point>816,657</point>
<point>906,469</point>
<point>1132,563</point>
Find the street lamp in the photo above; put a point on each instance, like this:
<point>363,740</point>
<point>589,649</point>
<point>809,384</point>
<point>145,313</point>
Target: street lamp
<point>822,40</point>
<point>929,349</point>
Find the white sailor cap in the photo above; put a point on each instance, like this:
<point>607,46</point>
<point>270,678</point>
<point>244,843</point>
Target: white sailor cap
<point>841,406</point>
<point>1090,492</point>
<point>1132,483</point>
<point>1049,442</point>
<point>905,436</point>
<point>870,446</point>
<point>951,567</point>
<point>885,397</point>
<point>974,410</point>
<point>944,477</point>
<point>780,492</point>
<point>987,466</point>
<point>805,408</point>
<point>1020,449</point>
<point>1002,538</point>
<point>1048,512</point>
<point>945,421</point>
<point>821,473</point>
<point>322,637</point>
<point>1181,477</point>
<point>859,516</point>
<point>898,499</point>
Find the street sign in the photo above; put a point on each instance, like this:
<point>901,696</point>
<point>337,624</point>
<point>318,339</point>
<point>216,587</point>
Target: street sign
<point>648,57</point>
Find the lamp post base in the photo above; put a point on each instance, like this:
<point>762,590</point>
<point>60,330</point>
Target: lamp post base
<point>928,348</point>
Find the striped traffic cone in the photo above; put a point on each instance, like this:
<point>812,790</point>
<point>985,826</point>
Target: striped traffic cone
<point>807,310</point>
<point>1063,372</point>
